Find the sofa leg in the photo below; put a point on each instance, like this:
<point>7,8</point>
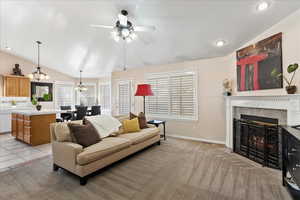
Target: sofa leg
<point>55,167</point>
<point>83,180</point>
<point>158,143</point>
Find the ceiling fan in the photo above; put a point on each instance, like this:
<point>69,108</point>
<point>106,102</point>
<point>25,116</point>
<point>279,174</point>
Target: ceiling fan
<point>124,29</point>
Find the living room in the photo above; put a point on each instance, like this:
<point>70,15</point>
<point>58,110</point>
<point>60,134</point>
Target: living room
<point>147,100</point>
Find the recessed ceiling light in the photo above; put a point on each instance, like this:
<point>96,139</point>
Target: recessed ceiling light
<point>220,43</point>
<point>263,6</point>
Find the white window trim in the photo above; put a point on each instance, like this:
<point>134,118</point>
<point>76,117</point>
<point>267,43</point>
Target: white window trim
<point>174,73</point>
<point>110,93</point>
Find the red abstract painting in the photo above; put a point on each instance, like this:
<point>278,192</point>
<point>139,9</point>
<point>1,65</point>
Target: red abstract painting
<point>256,62</point>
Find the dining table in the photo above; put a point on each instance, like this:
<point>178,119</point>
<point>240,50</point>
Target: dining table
<point>73,112</point>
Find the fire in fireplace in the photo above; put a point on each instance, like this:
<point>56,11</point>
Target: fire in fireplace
<point>258,139</point>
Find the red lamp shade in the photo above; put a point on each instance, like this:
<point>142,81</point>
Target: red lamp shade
<point>144,90</point>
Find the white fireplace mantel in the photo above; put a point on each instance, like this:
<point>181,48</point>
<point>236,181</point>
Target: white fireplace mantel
<point>290,103</point>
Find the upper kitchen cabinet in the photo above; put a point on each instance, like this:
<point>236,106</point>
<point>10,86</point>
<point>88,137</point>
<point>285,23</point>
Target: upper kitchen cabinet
<point>16,86</point>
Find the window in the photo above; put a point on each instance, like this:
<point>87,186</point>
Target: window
<point>174,95</point>
<point>88,97</point>
<point>104,91</point>
<point>124,90</point>
<point>64,94</point>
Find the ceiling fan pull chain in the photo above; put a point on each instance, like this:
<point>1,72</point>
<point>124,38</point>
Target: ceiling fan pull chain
<point>125,55</point>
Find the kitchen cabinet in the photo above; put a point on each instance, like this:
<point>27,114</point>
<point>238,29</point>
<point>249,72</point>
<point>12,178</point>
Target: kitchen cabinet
<point>33,129</point>
<point>16,86</point>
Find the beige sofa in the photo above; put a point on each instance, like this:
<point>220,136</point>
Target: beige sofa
<point>84,161</point>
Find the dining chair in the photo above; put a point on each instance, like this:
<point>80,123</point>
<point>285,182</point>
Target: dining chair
<point>96,110</point>
<point>66,116</point>
<point>65,107</point>
<point>81,112</point>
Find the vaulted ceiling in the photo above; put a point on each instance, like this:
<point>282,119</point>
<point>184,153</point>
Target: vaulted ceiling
<point>185,30</point>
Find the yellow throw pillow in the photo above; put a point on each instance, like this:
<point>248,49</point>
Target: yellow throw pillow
<point>130,126</point>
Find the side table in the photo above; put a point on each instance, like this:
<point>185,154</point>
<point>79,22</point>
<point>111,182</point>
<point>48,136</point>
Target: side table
<point>157,123</point>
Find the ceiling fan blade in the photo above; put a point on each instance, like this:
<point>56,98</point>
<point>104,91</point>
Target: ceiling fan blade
<point>101,26</point>
<point>144,28</point>
<point>122,19</point>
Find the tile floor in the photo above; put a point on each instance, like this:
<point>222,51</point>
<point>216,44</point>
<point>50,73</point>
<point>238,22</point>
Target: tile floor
<point>14,153</point>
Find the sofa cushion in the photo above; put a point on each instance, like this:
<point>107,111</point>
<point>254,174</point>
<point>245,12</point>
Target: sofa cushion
<point>140,136</point>
<point>104,148</point>
<point>62,131</point>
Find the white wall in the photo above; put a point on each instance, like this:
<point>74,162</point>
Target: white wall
<point>290,27</point>
<point>211,73</point>
<point>8,61</point>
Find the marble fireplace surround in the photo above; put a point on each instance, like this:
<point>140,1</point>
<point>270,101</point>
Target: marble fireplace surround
<point>288,103</point>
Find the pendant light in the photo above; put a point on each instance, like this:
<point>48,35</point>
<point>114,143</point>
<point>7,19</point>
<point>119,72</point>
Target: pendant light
<point>81,87</point>
<point>38,74</point>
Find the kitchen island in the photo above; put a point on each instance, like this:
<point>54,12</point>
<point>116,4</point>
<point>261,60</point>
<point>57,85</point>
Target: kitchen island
<point>32,126</point>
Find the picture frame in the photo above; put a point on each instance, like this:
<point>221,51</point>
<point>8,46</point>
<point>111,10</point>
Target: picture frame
<point>42,90</point>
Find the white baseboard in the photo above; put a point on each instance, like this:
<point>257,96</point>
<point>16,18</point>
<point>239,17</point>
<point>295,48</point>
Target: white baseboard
<point>196,139</point>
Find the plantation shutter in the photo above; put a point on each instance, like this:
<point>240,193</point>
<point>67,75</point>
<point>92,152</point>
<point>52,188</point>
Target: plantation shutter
<point>182,100</point>
<point>105,97</point>
<point>174,96</point>
<point>159,102</point>
<point>124,98</point>
<point>64,95</point>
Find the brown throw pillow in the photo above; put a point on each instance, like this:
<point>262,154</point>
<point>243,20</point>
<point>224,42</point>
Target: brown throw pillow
<point>142,119</point>
<point>85,135</point>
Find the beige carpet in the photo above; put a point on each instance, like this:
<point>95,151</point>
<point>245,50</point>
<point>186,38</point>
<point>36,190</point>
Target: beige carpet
<point>176,170</point>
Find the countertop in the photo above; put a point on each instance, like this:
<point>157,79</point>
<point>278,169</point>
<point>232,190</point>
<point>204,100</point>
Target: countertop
<point>9,110</point>
<point>35,112</point>
<point>292,131</point>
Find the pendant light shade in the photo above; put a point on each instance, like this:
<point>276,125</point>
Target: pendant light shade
<point>80,87</point>
<point>38,74</point>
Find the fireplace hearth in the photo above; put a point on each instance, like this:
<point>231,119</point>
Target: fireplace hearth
<point>258,139</point>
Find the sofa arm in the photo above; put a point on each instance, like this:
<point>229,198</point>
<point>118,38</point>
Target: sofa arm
<point>65,153</point>
<point>151,125</point>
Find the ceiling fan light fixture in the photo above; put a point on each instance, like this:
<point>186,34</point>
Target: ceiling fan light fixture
<point>114,33</point>
<point>122,19</point>
<point>133,35</point>
<point>128,39</point>
<point>124,29</point>
<point>116,38</point>
<point>125,32</point>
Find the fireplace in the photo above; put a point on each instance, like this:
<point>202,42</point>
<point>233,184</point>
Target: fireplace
<point>258,139</point>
